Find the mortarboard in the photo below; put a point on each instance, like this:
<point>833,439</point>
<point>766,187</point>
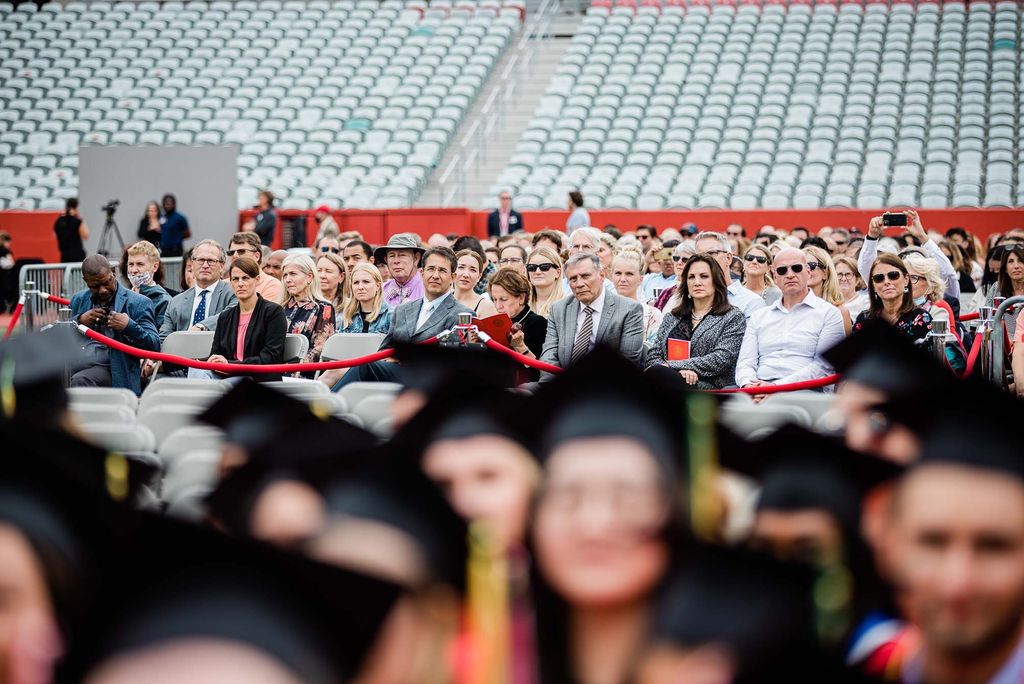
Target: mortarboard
<point>432,368</point>
<point>168,581</point>
<point>32,369</point>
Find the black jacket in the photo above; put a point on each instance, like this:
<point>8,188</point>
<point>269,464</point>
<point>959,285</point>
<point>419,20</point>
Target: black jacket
<point>264,339</point>
<point>515,222</point>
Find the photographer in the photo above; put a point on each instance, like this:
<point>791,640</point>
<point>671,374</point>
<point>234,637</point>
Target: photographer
<point>912,221</point>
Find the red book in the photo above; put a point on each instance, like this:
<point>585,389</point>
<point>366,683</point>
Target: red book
<point>678,350</point>
<point>498,326</point>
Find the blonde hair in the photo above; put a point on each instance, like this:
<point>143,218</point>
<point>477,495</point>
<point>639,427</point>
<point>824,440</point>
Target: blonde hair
<point>765,252</point>
<point>544,308</point>
<point>830,286</point>
<point>344,290</point>
<point>928,268</point>
<point>352,305</point>
<point>304,262</point>
<point>635,254</point>
<point>147,248</point>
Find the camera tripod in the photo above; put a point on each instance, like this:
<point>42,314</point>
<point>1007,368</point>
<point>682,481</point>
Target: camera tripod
<point>110,232</point>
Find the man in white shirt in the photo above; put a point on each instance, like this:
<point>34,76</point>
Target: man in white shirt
<point>876,229</point>
<point>718,247</point>
<point>784,342</point>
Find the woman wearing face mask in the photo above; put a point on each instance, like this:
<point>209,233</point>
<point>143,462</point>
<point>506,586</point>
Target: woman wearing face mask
<point>892,299</point>
<point>824,283</point>
<point>467,274</point>
<point>139,264</point>
<point>308,313</point>
<point>627,276</point>
<point>757,274</point>
<point>544,267</point>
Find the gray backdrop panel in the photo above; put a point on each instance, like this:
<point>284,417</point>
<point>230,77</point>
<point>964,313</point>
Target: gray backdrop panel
<point>204,180</point>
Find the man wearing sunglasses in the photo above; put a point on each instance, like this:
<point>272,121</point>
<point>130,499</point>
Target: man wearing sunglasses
<point>248,245</point>
<point>876,230</point>
<point>785,342</point>
<point>718,247</point>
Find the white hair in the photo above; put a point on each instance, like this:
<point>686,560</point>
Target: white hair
<point>929,268</point>
<point>722,239</point>
<point>593,235</point>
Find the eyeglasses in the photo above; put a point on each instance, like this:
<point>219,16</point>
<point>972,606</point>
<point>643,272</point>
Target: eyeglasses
<point>783,270</point>
<point>332,250</point>
<point>510,260</point>
<point>916,279</point>
<point>714,252</point>
<point>758,259</point>
<point>241,250</point>
<point>206,262</point>
<point>879,278</point>
<point>533,268</point>
<point>844,276</point>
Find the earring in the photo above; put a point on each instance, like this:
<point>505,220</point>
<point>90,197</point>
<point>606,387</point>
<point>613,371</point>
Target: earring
<point>906,289</point>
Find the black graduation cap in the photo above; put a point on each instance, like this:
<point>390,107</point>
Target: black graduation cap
<point>799,469</point>
<point>431,368</point>
<point>168,580</point>
<point>32,369</point>
<point>253,415</point>
<point>881,357</point>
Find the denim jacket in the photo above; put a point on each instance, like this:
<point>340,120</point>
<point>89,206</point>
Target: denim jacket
<point>382,324</point>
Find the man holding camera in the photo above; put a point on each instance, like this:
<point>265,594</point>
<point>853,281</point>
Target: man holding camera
<point>911,222</point>
<point>116,312</point>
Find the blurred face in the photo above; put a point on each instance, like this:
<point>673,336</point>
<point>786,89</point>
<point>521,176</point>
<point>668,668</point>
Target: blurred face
<point>242,284</point>
<point>467,273</point>
<point>918,283</point>
<point>139,264</point>
<point>543,273</point>
<point>585,281</point>
<point>488,478</point>
<point>364,287</point>
<point>401,264</point>
<point>206,265</point>
<point>288,513</point>
<point>550,244</point>
<point>678,264</point>
<point>626,277</point>
<point>847,280</point>
<point>699,284</point>
<point>329,244</point>
<point>734,232</point>
<point>102,286</point>
<point>190,277</point>
<point>1015,267</point>
<point>331,277</point>
<point>25,610</point>
<point>791,283</point>
<point>505,302</point>
<point>244,249</point>
<point>295,280</point>
<point>644,236</point>
<point>352,255</point>
<point>581,243</point>
<point>492,256</point>
<point>893,282</point>
<point>505,201</point>
<point>512,258</point>
<point>168,204</point>
<point>715,249</point>
<point>869,431</point>
<point>958,553</point>
<point>805,536</point>
<point>597,520</point>
<point>840,243</point>
<point>152,210</point>
<point>437,276</point>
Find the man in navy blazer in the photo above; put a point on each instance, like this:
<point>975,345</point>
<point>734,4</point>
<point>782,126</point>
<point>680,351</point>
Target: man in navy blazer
<point>504,220</point>
<point>117,312</point>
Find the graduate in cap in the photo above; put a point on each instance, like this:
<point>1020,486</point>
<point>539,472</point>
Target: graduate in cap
<point>32,370</point>
<point>608,519</point>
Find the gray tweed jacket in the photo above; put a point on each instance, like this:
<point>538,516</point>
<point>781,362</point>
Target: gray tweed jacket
<point>714,348</point>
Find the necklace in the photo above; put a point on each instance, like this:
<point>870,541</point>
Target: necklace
<point>697,319</point>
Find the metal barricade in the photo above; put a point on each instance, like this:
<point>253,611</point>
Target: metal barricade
<point>998,375</point>
<point>939,338</point>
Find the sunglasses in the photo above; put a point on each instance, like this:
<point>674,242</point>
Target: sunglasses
<point>783,270</point>
<point>879,278</point>
<point>533,268</point>
<point>758,259</point>
<point>233,252</point>
<point>332,250</point>
<point>815,265</point>
<point>907,252</point>
<point>677,258</point>
<point>840,243</point>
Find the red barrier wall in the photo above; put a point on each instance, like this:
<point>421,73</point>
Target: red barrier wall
<point>32,231</point>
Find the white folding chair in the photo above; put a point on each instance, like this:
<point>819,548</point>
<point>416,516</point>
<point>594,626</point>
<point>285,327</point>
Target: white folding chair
<point>295,347</point>
<point>101,413</point>
<point>164,419</point>
<point>117,396</point>
<point>754,421</point>
<point>187,439</point>
<point>816,404</point>
<point>355,392</point>
<point>191,345</point>
<point>121,437</point>
<point>197,468</point>
<point>374,409</point>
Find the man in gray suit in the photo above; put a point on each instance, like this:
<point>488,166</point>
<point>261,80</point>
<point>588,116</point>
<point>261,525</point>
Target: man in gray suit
<point>414,321</point>
<point>592,316</point>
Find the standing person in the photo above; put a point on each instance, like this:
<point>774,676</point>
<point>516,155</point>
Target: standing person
<point>851,287</point>
<point>757,276</point>
<point>365,311</point>
<point>71,233</point>
<point>824,283</point>
<point>149,225</point>
<point>254,331</point>
<point>117,312</point>
<point>174,228</point>
<point>627,274</point>
<point>402,256</point>
<point>468,271</point>
<point>578,216</point>
<point>545,272</point>
<point>265,222</point>
<point>504,220</point>
<point>248,245</point>
<point>892,299</point>
<point>8,277</point>
<point>307,312</point>
<point>139,264</point>
<point>333,280</point>
<point>713,327</point>
<point>327,225</point>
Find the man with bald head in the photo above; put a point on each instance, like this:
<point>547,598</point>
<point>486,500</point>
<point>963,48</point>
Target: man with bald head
<point>785,341</point>
<point>116,312</point>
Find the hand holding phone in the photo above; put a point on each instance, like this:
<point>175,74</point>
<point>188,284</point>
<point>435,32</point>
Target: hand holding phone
<point>890,219</point>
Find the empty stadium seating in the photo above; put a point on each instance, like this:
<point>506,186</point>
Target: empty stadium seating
<point>344,102</point>
<point>805,105</point>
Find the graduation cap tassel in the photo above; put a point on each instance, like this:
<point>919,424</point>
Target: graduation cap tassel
<point>703,501</point>
<point>7,396</point>
<point>484,659</point>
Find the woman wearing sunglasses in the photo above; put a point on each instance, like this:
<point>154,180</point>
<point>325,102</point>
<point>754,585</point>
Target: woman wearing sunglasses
<point>892,299</point>
<point>824,283</point>
<point>544,268</point>
<point>757,275</point>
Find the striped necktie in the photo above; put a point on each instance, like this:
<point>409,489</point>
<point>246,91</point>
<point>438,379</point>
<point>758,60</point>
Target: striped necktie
<point>582,343</point>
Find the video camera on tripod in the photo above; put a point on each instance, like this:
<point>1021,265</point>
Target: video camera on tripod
<point>111,206</point>
<point>110,230</point>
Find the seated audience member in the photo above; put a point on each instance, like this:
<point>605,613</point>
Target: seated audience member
<point>186,280</point>
<point>139,264</point>
<point>327,244</point>
<point>471,243</point>
<point>510,292</point>
<point>851,287</point>
<point>252,332</point>
<point>491,252</point>
<point>1010,279</point>
<point>627,274</point>
<point>870,250</point>
<point>552,239</point>
<point>117,312</point>
<point>964,266</point>
<point>824,283</point>
<point>307,312</point>
<point>416,320</point>
<point>512,256</point>
<point>757,276</point>
<point>718,247</point>
<point>248,245</point>
<point>366,311</point>
<point>357,252</point>
<point>704,318</point>
<point>591,316</point>
<point>272,265</point>
<point>545,272</point>
<point>655,283</point>
<point>928,287</point>
<point>784,342</point>
<point>587,240</point>
<point>469,268</point>
<point>198,307</point>
<point>403,257</point>
<point>333,280</point>
<point>892,299</point>
<point>669,297</point>
<point>438,240</point>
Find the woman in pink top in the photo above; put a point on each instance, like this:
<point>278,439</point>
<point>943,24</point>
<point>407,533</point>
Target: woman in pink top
<point>254,331</point>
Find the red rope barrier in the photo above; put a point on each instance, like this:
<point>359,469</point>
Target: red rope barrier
<point>974,315</point>
<point>521,358</point>
<point>15,316</point>
<point>775,389</point>
<point>973,356</point>
<point>53,298</point>
<point>231,368</point>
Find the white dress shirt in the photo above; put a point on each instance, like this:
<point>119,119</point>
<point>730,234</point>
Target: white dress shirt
<point>743,299</point>
<point>949,275</point>
<point>199,296</point>
<point>427,308</point>
<point>785,345</point>
<point>597,305</point>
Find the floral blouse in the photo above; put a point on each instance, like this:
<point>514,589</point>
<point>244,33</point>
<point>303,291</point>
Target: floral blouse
<point>315,320</point>
<point>916,324</point>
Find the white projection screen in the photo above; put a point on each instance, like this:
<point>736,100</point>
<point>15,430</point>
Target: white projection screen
<point>203,179</point>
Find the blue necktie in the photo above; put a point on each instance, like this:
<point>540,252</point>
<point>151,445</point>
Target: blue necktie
<point>201,309</point>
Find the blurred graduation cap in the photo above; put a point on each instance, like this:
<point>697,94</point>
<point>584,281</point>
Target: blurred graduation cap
<point>431,368</point>
<point>799,469</point>
<point>166,581</point>
<point>32,369</point>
